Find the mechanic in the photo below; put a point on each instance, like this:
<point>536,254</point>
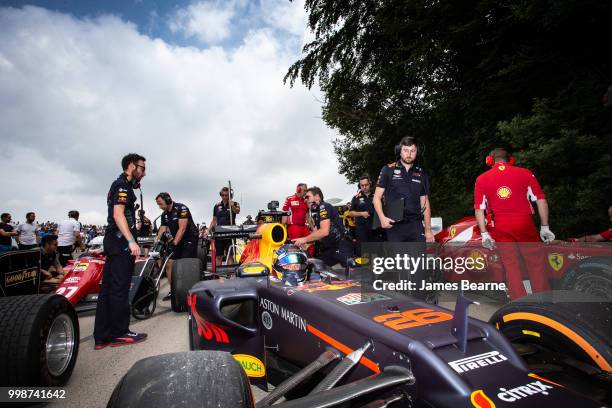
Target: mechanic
<point>249,220</point>
<point>602,236</point>
<point>505,192</point>
<point>296,222</point>
<point>28,233</point>
<point>113,309</point>
<point>176,219</point>
<point>143,225</point>
<point>404,180</point>
<point>7,232</point>
<point>224,213</point>
<point>69,237</point>
<point>362,210</point>
<point>50,259</point>
<point>329,231</point>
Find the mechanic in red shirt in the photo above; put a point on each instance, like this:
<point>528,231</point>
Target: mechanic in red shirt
<point>296,222</point>
<point>505,191</point>
<point>602,236</point>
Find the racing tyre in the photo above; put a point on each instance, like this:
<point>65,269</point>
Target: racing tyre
<point>203,253</point>
<point>39,340</point>
<point>199,378</point>
<point>592,276</point>
<point>186,272</point>
<point>564,336</point>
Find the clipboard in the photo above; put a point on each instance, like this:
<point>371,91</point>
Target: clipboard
<point>393,210</point>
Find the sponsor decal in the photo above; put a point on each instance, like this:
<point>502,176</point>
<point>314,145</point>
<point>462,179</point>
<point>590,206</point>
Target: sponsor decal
<point>416,181</point>
<point>412,318</point>
<point>73,279</point>
<point>555,261</point>
<point>397,171</point>
<point>81,266</point>
<point>295,203</point>
<point>474,362</point>
<point>20,276</point>
<point>357,298</point>
<point>452,232</point>
<point>502,168</point>
<point>266,320</point>
<point>504,192</point>
<point>207,330</point>
<point>253,367</point>
<point>183,213</point>
<point>321,286</point>
<point>292,318</point>
<point>523,391</point>
<point>122,194</point>
<point>531,333</point>
<point>480,400</point>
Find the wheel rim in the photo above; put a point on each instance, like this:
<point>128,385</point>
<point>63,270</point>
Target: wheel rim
<point>60,344</point>
<point>595,285</point>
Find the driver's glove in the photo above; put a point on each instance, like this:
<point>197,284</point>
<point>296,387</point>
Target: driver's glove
<point>546,234</point>
<point>487,241</point>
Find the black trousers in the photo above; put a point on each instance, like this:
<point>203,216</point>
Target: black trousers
<point>186,249</point>
<point>65,254</point>
<point>337,253</point>
<point>24,247</point>
<point>113,309</point>
<point>407,231</point>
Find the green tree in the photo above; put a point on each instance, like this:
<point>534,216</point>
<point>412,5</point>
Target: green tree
<point>464,77</point>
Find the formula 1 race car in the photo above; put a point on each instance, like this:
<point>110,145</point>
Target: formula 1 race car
<point>582,267</point>
<point>331,341</point>
<point>39,333</point>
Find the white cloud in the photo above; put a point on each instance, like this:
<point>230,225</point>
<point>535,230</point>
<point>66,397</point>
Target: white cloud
<point>76,95</point>
<point>209,22</point>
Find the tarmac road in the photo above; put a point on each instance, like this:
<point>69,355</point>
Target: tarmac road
<point>98,371</point>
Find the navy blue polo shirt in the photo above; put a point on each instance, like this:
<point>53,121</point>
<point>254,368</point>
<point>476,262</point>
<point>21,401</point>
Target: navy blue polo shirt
<point>410,185</point>
<point>326,211</point>
<point>362,202</point>
<point>171,219</point>
<point>222,212</point>
<point>121,192</point>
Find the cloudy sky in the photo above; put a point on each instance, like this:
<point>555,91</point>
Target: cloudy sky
<point>195,86</point>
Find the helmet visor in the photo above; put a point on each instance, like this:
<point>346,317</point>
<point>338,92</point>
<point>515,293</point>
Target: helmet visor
<point>296,258</point>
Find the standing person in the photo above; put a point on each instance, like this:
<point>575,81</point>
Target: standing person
<point>28,233</point>
<point>7,232</point>
<point>68,237</point>
<point>505,192</point>
<point>404,180</point>
<point>329,230</point>
<point>296,222</point>
<point>176,218</point>
<point>143,225</point>
<point>362,210</point>
<point>221,216</point>
<point>113,309</point>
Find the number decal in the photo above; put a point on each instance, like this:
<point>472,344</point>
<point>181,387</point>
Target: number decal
<point>412,318</point>
<point>70,289</point>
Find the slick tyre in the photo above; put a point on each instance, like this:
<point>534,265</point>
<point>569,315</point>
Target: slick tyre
<point>564,336</point>
<point>592,276</point>
<point>199,378</point>
<point>186,272</point>
<point>203,254</point>
<point>39,340</point>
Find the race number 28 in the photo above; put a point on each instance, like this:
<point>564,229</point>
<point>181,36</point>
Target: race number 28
<point>412,318</point>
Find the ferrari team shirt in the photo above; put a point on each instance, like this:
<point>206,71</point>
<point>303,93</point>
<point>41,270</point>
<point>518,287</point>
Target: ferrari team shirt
<point>298,209</point>
<point>507,190</point>
<point>607,234</point>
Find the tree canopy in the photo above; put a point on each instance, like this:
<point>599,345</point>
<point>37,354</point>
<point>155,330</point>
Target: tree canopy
<point>465,77</point>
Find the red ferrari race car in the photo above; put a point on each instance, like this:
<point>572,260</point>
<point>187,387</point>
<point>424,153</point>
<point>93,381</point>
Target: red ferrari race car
<point>583,267</point>
<point>83,277</point>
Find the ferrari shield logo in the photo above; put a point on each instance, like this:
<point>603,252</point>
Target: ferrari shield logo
<point>452,232</point>
<point>555,261</point>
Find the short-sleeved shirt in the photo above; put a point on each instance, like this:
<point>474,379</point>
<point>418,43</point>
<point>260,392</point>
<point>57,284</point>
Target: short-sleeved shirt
<point>171,219</point>
<point>507,190</point>
<point>360,203</point>
<point>47,260</point>
<point>66,230</point>
<point>27,233</point>
<point>326,211</point>
<point>121,192</point>
<point>410,185</point>
<point>298,208</point>
<point>6,228</point>
<point>222,212</point>
<point>145,227</point>
<point>607,234</point>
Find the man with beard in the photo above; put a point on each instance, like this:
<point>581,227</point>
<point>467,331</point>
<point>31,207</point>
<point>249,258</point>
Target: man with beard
<point>113,309</point>
<point>362,210</point>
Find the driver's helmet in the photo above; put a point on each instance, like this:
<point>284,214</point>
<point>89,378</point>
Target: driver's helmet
<point>291,265</point>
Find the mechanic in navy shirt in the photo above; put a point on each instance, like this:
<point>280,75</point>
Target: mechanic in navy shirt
<point>176,218</point>
<point>120,246</point>
<point>329,230</point>
<point>221,216</point>
<point>362,210</point>
<point>404,180</point>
